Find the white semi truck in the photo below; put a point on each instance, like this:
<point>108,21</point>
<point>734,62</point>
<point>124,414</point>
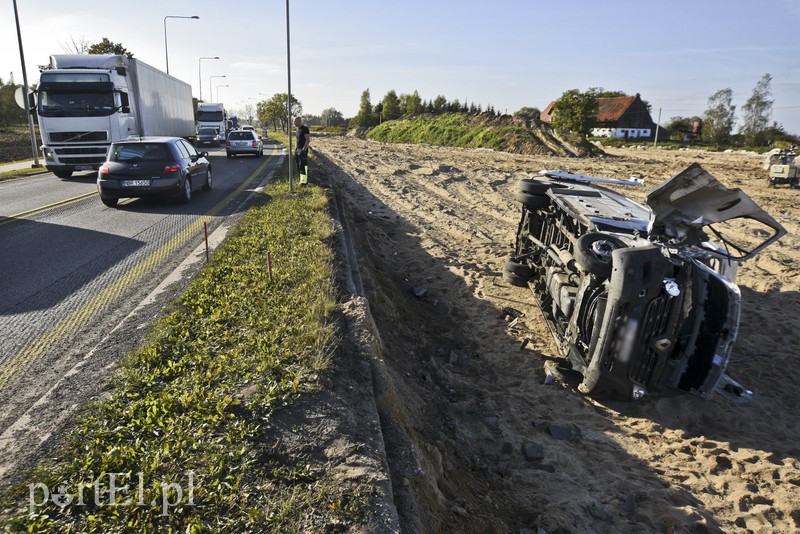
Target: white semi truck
<point>213,115</point>
<point>87,101</point>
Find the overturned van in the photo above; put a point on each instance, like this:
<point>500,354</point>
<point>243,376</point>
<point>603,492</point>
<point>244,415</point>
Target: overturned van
<point>641,300</point>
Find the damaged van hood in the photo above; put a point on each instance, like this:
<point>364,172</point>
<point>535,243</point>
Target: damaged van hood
<point>693,202</point>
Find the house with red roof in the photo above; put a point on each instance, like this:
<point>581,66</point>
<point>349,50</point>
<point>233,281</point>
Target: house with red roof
<point>619,116</point>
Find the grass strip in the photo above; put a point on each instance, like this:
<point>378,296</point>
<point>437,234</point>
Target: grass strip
<point>185,422</point>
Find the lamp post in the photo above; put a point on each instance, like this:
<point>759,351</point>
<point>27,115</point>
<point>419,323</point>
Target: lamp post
<point>25,88</point>
<point>166,50</point>
<point>200,74</point>
<point>218,90</point>
<point>289,97</point>
<point>209,82</point>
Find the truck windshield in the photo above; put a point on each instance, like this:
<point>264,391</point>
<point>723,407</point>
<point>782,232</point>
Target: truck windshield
<point>210,116</point>
<point>75,103</point>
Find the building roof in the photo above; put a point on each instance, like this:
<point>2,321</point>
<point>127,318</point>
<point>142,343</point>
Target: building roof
<point>611,109</point>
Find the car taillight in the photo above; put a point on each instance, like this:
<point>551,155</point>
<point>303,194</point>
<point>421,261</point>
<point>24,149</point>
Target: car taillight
<point>103,169</point>
<point>172,167</point>
<point>228,143</point>
<point>255,144</point>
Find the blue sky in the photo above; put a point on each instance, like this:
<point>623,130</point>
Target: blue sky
<point>507,53</point>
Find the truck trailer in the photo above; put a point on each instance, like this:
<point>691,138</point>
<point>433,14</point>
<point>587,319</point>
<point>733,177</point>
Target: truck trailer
<point>213,115</point>
<point>85,102</point>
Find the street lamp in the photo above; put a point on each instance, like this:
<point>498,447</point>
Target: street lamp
<point>218,90</point>
<point>200,74</point>
<point>209,82</point>
<point>24,89</point>
<point>166,50</point>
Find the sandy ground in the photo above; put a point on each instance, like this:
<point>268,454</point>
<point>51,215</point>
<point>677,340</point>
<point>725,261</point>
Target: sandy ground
<point>476,442</point>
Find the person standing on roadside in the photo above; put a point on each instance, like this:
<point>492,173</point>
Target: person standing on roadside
<point>303,138</point>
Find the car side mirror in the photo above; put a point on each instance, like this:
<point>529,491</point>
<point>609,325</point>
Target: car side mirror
<point>203,154</point>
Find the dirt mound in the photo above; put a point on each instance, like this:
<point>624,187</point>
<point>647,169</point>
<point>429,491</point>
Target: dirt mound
<point>476,441</point>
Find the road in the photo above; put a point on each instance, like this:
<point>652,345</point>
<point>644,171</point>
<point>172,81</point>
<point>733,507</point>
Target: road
<point>77,283</point>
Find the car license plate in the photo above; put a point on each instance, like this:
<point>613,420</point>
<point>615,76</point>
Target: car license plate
<point>135,183</point>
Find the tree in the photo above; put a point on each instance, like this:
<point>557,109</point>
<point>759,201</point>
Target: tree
<point>109,47</point>
<point>757,112</point>
<point>414,104</point>
<point>78,45</point>
<point>365,116</point>
<point>274,112</point>
<point>10,112</point>
<point>575,112</point>
<point>248,113</point>
<point>529,115</point>
<point>439,104</point>
<point>719,117</point>
<point>391,106</point>
<point>332,117</point>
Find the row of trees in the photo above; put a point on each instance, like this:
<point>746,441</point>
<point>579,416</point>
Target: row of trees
<point>720,116</point>
<point>394,106</point>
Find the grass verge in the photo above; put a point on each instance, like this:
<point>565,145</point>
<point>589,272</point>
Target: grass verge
<point>182,440</point>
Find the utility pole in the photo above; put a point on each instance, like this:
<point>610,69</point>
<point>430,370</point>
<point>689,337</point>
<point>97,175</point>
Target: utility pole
<point>25,90</point>
<point>655,140</point>
<point>289,97</point>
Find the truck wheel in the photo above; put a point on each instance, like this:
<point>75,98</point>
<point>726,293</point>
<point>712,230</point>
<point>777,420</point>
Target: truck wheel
<point>63,174</point>
<point>110,202</point>
<point>186,193</point>
<point>593,253</point>
<point>208,185</point>
<point>533,202</point>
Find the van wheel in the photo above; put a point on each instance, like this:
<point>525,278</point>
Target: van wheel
<point>533,202</point>
<point>593,253</point>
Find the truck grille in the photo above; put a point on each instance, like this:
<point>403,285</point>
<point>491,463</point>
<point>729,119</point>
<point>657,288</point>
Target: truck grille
<point>77,137</point>
<point>81,155</point>
<point>654,325</point>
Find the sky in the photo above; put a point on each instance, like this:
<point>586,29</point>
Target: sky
<point>504,53</point>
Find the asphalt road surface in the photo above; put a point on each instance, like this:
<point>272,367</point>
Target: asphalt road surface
<point>81,282</point>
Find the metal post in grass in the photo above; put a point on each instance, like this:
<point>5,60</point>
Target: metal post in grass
<point>205,229</point>
<point>289,97</point>
<point>25,89</point>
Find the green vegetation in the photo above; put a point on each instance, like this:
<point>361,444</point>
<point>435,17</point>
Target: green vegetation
<point>453,129</point>
<point>576,112</point>
<point>193,406</point>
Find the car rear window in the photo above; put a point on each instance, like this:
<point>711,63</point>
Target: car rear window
<point>241,136</point>
<point>139,151</point>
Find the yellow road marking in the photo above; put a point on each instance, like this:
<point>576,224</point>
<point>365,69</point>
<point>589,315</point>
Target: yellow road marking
<point>34,211</point>
<point>78,318</point>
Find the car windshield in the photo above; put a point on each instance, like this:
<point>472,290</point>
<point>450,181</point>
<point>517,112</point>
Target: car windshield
<point>139,152</point>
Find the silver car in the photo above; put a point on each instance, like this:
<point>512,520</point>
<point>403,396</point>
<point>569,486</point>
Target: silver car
<point>244,142</point>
